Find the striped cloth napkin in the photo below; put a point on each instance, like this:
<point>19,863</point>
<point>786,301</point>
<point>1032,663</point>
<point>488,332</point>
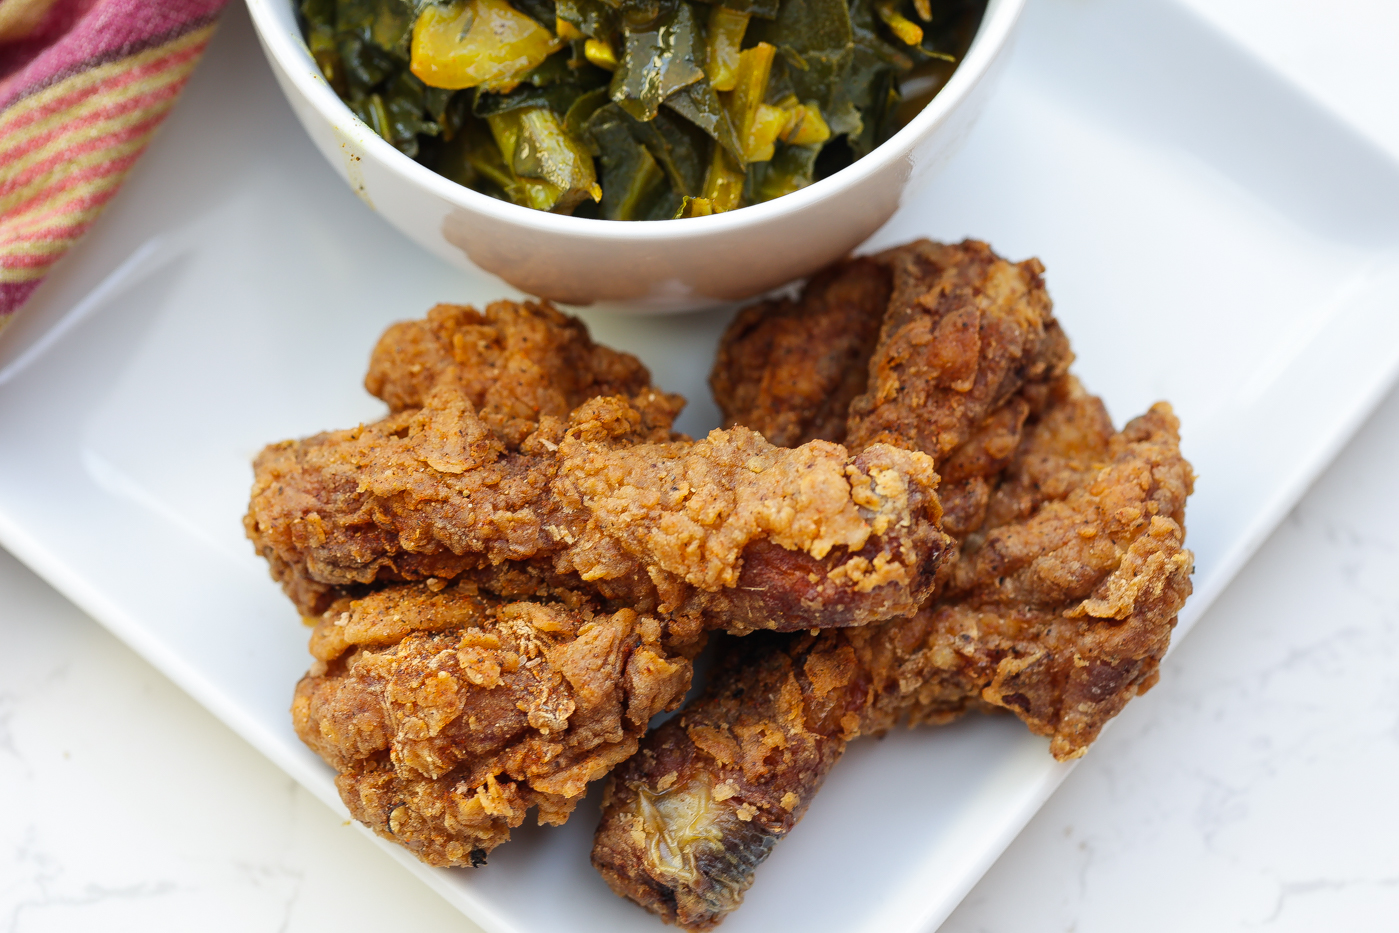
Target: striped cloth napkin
<point>83,86</point>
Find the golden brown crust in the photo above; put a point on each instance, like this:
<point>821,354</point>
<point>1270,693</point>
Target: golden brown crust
<point>690,817</point>
<point>964,332</point>
<point>1069,437</point>
<point>1057,603</point>
<point>729,527</point>
<point>515,362</point>
<point>521,560</point>
<point>448,713</point>
<point>914,347</point>
<point>788,369</point>
<point>1060,617</point>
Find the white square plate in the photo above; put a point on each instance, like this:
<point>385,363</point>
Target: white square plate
<point>1211,238</point>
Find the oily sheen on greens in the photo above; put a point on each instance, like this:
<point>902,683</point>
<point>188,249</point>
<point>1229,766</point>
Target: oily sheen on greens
<point>637,109</point>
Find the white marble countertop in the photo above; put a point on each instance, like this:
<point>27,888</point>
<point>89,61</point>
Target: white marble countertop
<point>1254,788</point>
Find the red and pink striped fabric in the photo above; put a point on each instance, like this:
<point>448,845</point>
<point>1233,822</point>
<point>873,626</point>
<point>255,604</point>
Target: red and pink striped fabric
<point>83,86</point>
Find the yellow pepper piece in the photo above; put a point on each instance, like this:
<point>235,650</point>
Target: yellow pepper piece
<point>569,32</point>
<point>474,43</point>
<point>694,207</point>
<point>909,32</point>
<point>756,123</point>
<point>761,139</point>
<point>924,8</point>
<point>805,126</point>
<point>723,182</point>
<point>726,29</point>
<point>600,53</point>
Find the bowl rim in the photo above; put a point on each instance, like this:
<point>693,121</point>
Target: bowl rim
<point>291,54</point>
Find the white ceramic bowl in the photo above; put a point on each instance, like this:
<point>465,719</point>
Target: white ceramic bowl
<point>643,266</point>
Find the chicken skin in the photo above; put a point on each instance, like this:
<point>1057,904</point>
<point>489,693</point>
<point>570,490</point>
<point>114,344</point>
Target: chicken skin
<point>915,347</point>
<point>728,529</point>
<point>913,507</point>
<point>516,363</point>
<point>509,574</point>
<point>449,712</point>
<point>789,369</point>
<point>1057,604</point>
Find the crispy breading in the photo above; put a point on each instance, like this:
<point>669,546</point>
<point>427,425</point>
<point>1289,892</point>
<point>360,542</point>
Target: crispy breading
<point>448,713</point>
<point>1060,617</point>
<point>1069,436</point>
<point>1057,602</point>
<point>973,470</point>
<point>915,346</point>
<point>521,561</point>
<point>688,819</point>
<point>789,369</point>
<point>963,332</point>
<point>515,362</point>
<point>730,528</point>
<point>931,343</point>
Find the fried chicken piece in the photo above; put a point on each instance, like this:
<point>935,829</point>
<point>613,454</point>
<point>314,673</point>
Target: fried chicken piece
<point>964,331</point>
<point>515,363</point>
<point>974,469</point>
<point>1058,607</point>
<point>449,713</point>
<point>1060,615</point>
<point>689,818</point>
<point>789,369</point>
<point>728,528</point>
<point>915,347</point>
<point>922,346</point>
<point>1070,434</point>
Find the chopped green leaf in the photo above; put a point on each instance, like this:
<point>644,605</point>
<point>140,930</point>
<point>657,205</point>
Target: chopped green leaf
<point>634,187</point>
<point>659,58</point>
<point>700,104</point>
<point>637,109</point>
<point>592,18</point>
<point>791,169</point>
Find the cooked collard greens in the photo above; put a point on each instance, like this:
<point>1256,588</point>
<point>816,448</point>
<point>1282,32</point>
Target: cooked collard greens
<point>637,109</point>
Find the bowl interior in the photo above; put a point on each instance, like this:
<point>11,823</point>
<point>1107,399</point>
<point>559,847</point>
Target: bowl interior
<point>275,21</point>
